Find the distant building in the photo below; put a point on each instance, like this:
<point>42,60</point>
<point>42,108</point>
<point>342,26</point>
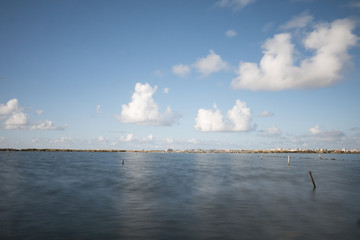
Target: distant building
<point>169,150</point>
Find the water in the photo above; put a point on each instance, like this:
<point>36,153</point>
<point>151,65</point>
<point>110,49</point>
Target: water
<point>178,196</point>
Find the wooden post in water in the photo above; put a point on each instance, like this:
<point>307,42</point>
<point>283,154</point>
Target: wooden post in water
<point>122,162</point>
<point>312,179</point>
<point>288,160</point>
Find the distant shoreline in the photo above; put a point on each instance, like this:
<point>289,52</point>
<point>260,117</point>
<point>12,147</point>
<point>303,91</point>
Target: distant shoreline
<point>319,151</point>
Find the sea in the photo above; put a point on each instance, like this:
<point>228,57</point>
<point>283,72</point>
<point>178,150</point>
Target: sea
<point>111,195</point>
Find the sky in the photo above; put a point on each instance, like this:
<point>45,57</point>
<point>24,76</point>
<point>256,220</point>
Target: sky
<point>189,74</point>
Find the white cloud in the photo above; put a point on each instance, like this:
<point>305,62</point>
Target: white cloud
<point>128,138</point>
<point>166,90</point>
<point>193,141</point>
<point>149,138</point>
<point>315,130</point>
<point>45,125</point>
<point>18,120</point>
<point>230,33</point>
<point>10,107</point>
<point>238,119</point>
<point>181,70</point>
<point>101,138</point>
<point>169,140</point>
<point>299,21</point>
<point>266,113</point>
<point>210,121</point>
<point>64,140</point>
<point>235,4</point>
<point>210,64</point>
<point>277,71</point>
<point>144,110</point>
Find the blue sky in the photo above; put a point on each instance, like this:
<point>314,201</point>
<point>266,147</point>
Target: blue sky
<point>223,74</point>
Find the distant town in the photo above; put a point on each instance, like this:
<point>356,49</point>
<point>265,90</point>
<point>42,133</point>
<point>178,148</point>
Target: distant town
<point>169,150</point>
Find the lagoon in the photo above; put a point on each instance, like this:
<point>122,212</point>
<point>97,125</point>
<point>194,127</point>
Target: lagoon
<point>83,195</point>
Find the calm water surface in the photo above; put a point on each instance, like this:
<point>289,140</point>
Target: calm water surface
<point>178,196</point>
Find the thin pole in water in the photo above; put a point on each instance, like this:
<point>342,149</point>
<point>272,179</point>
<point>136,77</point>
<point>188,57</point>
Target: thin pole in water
<point>288,160</point>
<point>312,179</point>
<point>122,162</point>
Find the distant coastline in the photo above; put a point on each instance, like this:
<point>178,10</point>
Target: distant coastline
<point>319,151</point>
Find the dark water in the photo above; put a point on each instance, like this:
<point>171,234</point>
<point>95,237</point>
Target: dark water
<point>178,196</point>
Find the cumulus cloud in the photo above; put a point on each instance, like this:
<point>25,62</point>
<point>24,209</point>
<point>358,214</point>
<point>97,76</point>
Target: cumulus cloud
<point>238,119</point>
<point>277,71</point>
<point>169,140</point>
<point>144,110</point>
<point>193,141</point>
<point>181,70</point>
<point>207,65</point>
<point>45,125</point>
<point>127,138</point>
<point>230,33</point>
<point>130,137</point>
<point>299,21</point>
<point>266,113</point>
<point>101,138</point>
<point>149,138</point>
<point>11,111</point>
<point>234,4</point>
<point>166,90</point>
<point>10,107</point>
<point>66,140</point>
<point>17,119</point>
<point>210,64</point>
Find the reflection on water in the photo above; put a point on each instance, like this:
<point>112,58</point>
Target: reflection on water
<point>178,196</point>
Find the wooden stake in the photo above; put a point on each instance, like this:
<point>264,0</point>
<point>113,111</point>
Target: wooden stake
<point>288,160</point>
<point>312,179</point>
